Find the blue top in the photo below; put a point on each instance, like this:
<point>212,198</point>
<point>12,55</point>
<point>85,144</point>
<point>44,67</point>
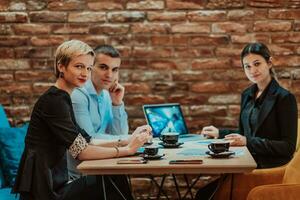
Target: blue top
<point>96,115</point>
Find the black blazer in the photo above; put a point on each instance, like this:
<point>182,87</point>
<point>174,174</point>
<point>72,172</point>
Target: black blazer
<point>273,140</point>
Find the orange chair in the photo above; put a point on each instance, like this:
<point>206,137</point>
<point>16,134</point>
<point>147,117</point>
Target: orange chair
<point>238,186</point>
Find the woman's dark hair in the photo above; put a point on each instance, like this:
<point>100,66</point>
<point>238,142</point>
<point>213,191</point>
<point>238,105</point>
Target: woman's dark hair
<point>259,49</point>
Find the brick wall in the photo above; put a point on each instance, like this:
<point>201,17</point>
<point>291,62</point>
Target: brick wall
<point>184,51</point>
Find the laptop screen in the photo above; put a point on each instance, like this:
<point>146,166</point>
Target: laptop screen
<point>165,118</point>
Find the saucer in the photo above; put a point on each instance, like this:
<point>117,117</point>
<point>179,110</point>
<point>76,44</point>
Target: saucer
<point>155,157</point>
<point>225,154</point>
<point>165,145</point>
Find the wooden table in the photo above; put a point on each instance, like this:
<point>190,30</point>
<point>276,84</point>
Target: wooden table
<point>235,164</point>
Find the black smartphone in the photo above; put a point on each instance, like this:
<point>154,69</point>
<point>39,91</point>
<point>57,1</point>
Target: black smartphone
<point>186,161</point>
<point>132,161</point>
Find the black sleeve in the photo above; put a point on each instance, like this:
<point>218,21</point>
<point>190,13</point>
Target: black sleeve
<point>286,111</point>
<point>58,116</point>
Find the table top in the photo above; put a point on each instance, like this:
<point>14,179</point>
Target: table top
<point>241,162</point>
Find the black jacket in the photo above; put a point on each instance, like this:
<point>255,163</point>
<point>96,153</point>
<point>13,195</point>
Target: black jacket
<point>273,140</point>
<point>43,168</point>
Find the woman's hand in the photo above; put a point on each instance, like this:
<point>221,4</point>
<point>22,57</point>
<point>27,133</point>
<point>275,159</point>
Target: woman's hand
<point>139,137</point>
<point>236,139</point>
<point>210,132</point>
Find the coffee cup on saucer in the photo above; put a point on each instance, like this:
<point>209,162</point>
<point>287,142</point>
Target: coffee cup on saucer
<point>219,146</point>
<point>169,137</point>
<point>151,150</point>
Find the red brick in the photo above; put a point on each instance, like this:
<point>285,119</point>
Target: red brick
<point>16,88</point>
<point>13,41</point>
<point>150,28</point>
<point>17,6</point>
<point>185,52</point>
<point>234,110</point>
<point>282,49</point>
<point>191,76</point>
<point>134,123</point>
<point>222,4</point>
<point>31,29</point>
<point>225,99</point>
<point>6,53</point>
<point>211,87</point>
<point>222,51</point>
<point>34,76</point>
<point>36,5</point>
<point>47,41</point>
<point>41,87</point>
<point>229,75</point>
<point>6,77</point>
<point>5,29</point>
<point>125,51</point>
<point>293,4</point>
<point>87,17</point>
<point>162,65</point>
<point>167,87</point>
<point>187,99</point>
<point>150,52</point>
<point>290,61</point>
<point>5,99</point>
<point>284,14</point>
<point>48,16</point>
<point>133,112</point>
<point>205,110</point>
<point>32,52</point>
<point>105,5</point>
<point>150,76</point>
<point>297,26</point>
<point>191,28</point>
<point>183,4</point>
<point>18,110</point>
<point>267,26</point>
<point>70,29</point>
<point>135,64</point>
<point>122,16</point>
<point>226,122</point>
<point>166,16</point>
<point>119,40</point>
<point>143,99</point>
<point>13,17</point>
<point>66,5</point>
<point>285,38</point>
<point>12,64</point>
<point>145,5</point>
<point>240,85</point>
<point>246,38</point>
<point>109,29</point>
<point>266,4</point>
<point>140,40</point>
<point>4,4</point>
<point>225,27</point>
<point>161,40</point>
<point>92,40</point>
<point>180,40</point>
<point>196,125</point>
<point>206,15</point>
<point>209,39</point>
<point>137,88</point>
<point>211,63</point>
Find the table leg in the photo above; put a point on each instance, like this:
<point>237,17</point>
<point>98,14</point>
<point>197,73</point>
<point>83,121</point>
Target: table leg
<point>189,187</point>
<point>176,186</point>
<point>160,187</point>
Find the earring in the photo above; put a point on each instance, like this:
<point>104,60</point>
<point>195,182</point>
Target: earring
<point>61,74</point>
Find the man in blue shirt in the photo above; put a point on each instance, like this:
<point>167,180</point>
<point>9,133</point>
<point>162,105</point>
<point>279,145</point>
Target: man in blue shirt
<point>98,105</point>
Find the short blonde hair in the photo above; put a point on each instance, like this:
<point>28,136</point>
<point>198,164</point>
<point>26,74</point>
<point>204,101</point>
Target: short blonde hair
<point>68,50</point>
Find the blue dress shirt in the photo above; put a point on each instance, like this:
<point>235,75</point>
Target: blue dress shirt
<point>96,115</point>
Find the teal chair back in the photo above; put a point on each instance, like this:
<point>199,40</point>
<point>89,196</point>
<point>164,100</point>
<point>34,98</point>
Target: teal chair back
<point>3,118</point>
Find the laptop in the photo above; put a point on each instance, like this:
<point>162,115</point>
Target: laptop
<point>166,118</point>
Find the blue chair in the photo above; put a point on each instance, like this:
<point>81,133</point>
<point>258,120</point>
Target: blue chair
<point>3,118</point>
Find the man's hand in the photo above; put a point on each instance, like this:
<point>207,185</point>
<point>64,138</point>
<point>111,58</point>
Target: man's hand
<point>116,92</point>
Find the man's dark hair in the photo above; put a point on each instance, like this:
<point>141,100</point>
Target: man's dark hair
<point>107,50</point>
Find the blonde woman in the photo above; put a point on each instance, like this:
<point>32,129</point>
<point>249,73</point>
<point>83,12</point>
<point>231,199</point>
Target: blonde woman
<point>53,131</point>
